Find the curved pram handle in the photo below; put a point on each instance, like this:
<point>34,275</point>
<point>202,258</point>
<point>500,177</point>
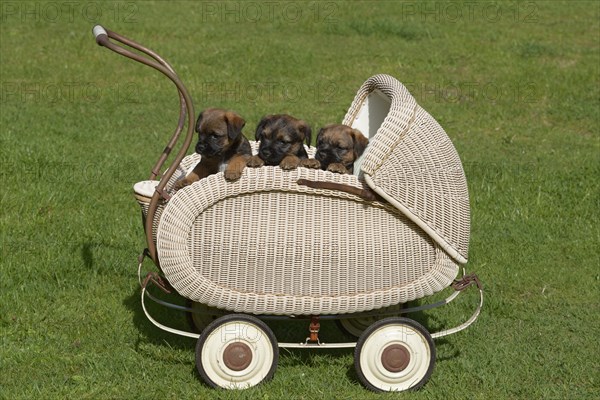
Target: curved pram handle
<point>97,31</point>
<point>103,37</point>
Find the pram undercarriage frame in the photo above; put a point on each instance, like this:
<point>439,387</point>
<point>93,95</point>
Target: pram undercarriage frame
<point>370,308</point>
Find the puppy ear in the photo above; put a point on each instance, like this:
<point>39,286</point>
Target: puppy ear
<point>198,122</point>
<point>360,142</point>
<point>261,125</point>
<point>305,129</point>
<point>320,133</point>
<point>235,123</point>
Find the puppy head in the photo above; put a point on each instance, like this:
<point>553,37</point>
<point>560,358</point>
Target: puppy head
<point>281,135</point>
<point>218,130</point>
<point>340,144</point>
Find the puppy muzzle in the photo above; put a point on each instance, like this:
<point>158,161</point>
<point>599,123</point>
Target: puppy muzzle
<point>200,148</point>
<point>270,157</point>
<point>265,153</point>
<point>207,151</point>
<point>325,159</point>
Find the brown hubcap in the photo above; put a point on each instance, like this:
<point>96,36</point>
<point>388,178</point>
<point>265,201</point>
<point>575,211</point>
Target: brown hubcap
<point>395,358</point>
<point>237,356</point>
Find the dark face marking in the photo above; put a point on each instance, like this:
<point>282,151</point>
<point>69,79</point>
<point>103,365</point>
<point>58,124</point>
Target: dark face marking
<point>339,144</point>
<point>281,135</point>
<point>218,131</point>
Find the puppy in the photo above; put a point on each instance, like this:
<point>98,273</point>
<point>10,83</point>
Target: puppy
<point>281,139</point>
<point>338,146</point>
<point>221,144</point>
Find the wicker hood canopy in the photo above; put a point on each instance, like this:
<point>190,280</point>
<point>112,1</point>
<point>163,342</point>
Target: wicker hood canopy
<point>411,162</point>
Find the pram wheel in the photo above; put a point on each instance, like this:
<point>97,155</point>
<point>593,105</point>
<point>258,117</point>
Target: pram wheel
<point>394,354</point>
<point>201,316</point>
<point>236,351</point>
<point>354,327</point>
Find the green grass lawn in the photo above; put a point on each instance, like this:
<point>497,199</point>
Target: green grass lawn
<point>515,85</point>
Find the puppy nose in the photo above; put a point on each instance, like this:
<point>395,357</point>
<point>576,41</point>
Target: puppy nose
<point>265,152</point>
<point>200,147</point>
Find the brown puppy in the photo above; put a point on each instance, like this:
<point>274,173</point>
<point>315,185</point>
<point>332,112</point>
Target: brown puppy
<point>220,143</point>
<point>338,146</point>
<point>281,141</point>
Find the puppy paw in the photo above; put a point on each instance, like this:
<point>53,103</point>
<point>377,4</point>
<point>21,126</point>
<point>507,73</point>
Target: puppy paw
<point>180,184</point>
<point>337,168</point>
<point>310,163</point>
<point>289,163</point>
<point>233,174</point>
<point>255,162</point>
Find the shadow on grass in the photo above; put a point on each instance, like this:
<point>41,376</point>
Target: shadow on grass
<point>105,258</point>
<point>87,255</point>
<point>151,334</point>
<point>445,350</point>
<point>157,343</point>
<point>154,342</point>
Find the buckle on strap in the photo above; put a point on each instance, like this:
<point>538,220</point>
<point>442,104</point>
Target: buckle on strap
<point>313,329</point>
<point>466,281</point>
<point>158,281</point>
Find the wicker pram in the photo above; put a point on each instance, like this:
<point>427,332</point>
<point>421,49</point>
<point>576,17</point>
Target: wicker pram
<point>313,244</point>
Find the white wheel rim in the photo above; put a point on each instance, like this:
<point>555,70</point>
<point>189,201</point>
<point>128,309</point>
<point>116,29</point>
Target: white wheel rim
<point>202,318</point>
<point>395,336</point>
<point>237,334</point>
<point>356,326</point>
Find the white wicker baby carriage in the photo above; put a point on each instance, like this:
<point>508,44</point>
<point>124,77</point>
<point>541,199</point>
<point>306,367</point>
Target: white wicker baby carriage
<point>312,244</point>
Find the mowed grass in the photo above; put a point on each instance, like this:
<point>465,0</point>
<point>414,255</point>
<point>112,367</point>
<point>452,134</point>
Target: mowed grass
<point>515,85</point>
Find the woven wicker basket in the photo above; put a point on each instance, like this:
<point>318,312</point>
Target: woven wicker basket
<point>267,245</point>
<point>310,243</point>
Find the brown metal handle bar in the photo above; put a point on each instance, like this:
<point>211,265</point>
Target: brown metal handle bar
<point>182,108</point>
<point>102,38</point>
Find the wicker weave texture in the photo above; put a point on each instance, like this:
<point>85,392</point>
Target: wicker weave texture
<point>144,200</point>
<point>183,168</point>
<point>413,161</point>
<point>265,245</point>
